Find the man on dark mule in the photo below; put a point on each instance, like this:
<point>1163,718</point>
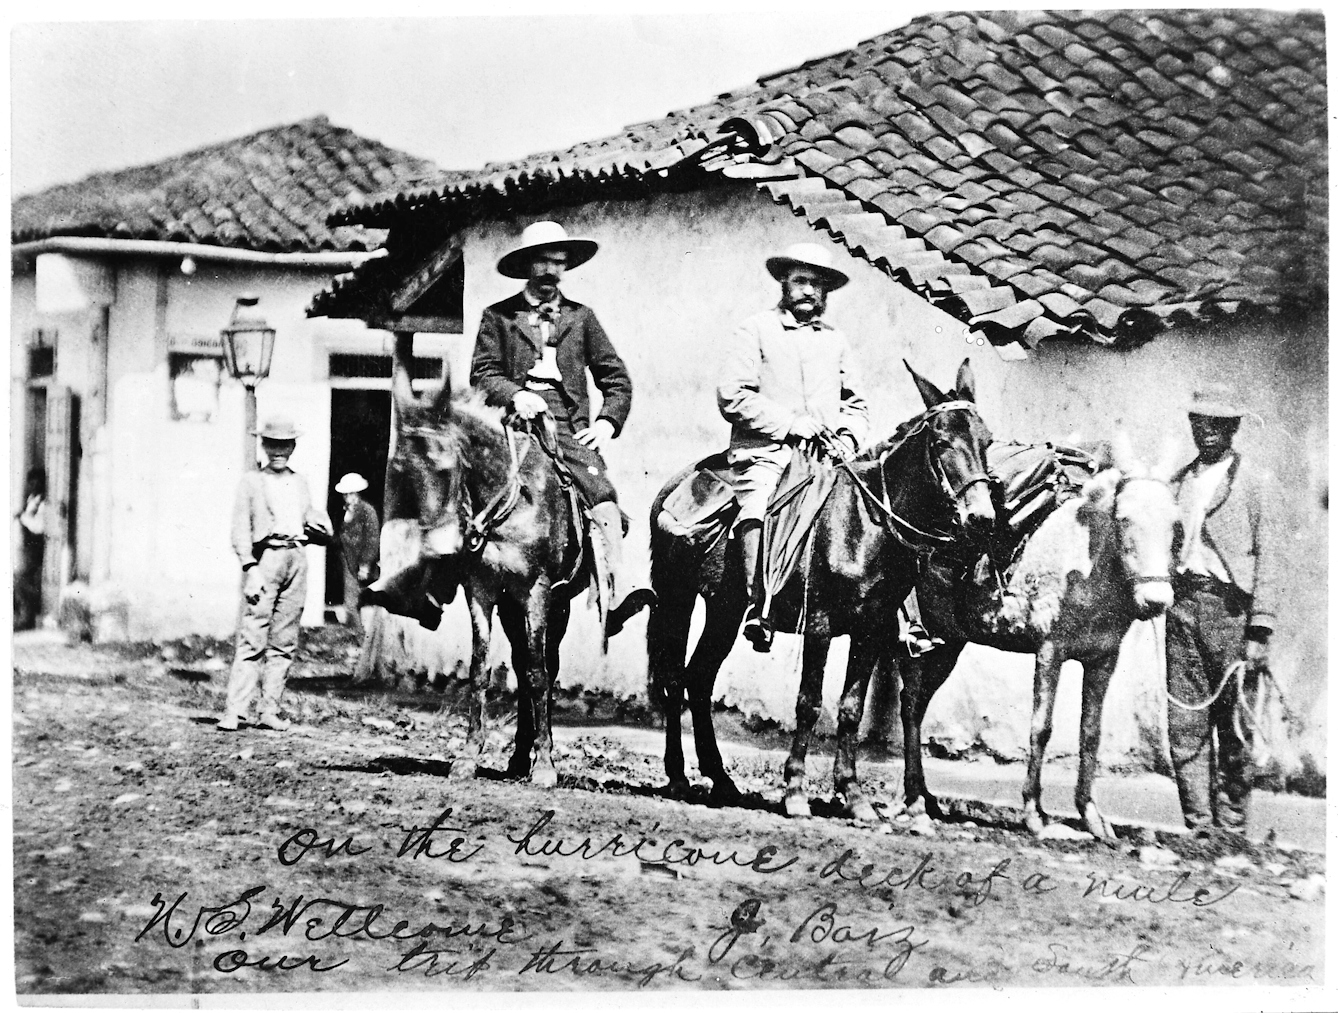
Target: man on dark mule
<point>1224,612</point>
<point>788,376</point>
<point>532,355</point>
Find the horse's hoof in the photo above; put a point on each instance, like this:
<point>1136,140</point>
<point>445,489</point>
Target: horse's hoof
<point>462,769</point>
<point>796,805</point>
<point>861,811</point>
<point>518,769</point>
<point>1096,823</point>
<point>926,805</point>
<point>724,792</point>
<point>544,776</point>
<point>678,789</point>
<point>1035,822</point>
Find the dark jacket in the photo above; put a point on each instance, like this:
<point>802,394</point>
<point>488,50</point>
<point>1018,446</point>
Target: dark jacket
<point>360,537</point>
<point>508,346</point>
<point>1241,529</point>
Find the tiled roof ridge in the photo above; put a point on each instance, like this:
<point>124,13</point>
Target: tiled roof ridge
<point>266,190</point>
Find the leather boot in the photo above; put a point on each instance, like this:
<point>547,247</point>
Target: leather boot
<point>756,630</point>
<point>629,596</point>
<point>404,594</point>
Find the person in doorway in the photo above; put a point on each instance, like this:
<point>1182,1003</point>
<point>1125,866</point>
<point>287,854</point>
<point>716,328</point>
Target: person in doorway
<point>32,525</point>
<point>787,376</point>
<point>1224,613</point>
<point>273,520</point>
<point>359,545</point>
<point>532,356</point>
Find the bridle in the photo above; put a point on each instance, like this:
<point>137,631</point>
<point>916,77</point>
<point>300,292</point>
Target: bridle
<point>480,526</point>
<point>1133,580</point>
<point>910,535</point>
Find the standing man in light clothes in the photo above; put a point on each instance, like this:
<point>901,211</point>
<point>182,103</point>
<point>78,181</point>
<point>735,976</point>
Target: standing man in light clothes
<point>1224,611</point>
<point>272,523</point>
<point>787,376</point>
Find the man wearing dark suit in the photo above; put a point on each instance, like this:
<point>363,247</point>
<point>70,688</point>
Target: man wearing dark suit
<point>359,545</point>
<point>532,355</point>
<point>1224,612</point>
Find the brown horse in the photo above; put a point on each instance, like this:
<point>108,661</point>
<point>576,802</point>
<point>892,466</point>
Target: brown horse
<point>1093,566</point>
<point>496,518</point>
<point>925,487</point>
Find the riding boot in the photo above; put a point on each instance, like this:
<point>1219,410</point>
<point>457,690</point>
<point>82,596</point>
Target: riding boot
<point>756,629</point>
<point>405,594</point>
<point>629,596</point>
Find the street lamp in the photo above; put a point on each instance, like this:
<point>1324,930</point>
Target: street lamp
<point>248,346</point>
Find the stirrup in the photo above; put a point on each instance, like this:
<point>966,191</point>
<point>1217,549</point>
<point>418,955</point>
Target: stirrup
<point>757,630</point>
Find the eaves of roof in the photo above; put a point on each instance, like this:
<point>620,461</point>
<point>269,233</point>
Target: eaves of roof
<point>1037,174</point>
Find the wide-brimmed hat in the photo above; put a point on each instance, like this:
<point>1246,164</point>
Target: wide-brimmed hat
<point>352,482</point>
<point>277,427</point>
<point>539,238</point>
<point>819,258</point>
<point>1216,400</point>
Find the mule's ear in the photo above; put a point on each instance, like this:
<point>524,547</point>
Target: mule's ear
<point>966,381</point>
<point>1122,452</point>
<point>1099,490</point>
<point>441,404</point>
<point>1166,459</point>
<point>931,394</point>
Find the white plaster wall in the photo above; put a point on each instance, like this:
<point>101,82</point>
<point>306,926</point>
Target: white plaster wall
<point>173,482</point>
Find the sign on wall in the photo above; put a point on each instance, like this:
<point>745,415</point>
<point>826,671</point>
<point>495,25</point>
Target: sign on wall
<point>195,373</point>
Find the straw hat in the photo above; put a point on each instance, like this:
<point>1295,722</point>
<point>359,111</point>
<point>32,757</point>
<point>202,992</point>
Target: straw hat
<point>1216,400</point>
<point>352,482</point>
<point>539,238</point>
<point>819,258</point>
<point>277,427</point>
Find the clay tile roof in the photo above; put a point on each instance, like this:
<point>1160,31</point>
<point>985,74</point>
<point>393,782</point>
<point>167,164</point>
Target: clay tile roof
<point>1107,171</point>
<point>270,191</point>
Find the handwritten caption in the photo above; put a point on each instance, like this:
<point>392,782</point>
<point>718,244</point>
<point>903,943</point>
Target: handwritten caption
<point>266,931</point>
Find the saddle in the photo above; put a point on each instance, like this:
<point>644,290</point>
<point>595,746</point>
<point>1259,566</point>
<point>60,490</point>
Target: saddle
<point>1032,480</point>
<point>701,510</point>
<point>590,551</point>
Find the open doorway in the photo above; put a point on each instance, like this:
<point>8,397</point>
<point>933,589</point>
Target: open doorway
<point>28,597</point>
<point>360,442</point>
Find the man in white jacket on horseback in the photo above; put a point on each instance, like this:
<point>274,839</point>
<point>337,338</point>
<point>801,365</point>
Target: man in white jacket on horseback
<point>788,375</point>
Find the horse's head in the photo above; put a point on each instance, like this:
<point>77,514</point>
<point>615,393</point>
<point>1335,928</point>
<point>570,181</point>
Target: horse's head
<point>958,441</point>
<point>435,453</point>
<point>1142,513</point>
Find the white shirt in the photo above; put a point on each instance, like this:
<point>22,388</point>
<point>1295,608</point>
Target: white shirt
<point>545,367</point>
<point>1196,492</point>
<point>284,497</point>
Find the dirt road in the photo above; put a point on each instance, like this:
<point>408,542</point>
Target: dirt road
<point>155,854</point>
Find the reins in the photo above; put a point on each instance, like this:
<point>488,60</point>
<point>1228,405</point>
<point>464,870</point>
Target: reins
<point>1137,579</point>
<point>479,528</point>
<point>910,535</point>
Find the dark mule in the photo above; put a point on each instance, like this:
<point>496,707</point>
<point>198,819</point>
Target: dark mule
<point>1093,566</point>
<point>496,519</point>
<point>924,487</point>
